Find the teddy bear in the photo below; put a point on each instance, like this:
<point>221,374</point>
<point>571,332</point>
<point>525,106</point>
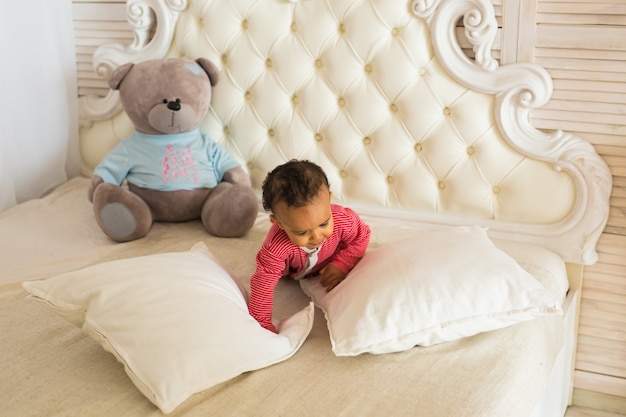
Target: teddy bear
<point>167,170</point>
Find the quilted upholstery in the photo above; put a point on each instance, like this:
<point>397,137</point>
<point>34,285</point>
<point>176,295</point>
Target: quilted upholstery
<point>354,85</point>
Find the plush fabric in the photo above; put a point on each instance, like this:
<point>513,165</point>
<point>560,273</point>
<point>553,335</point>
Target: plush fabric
<point>174,171</point>
<point>177,321</point>
<point>433,287</point>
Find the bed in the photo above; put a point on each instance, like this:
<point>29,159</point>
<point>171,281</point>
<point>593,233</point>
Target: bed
<point>437,153</point>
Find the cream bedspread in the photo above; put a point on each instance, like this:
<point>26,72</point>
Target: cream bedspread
<point>50,368</point>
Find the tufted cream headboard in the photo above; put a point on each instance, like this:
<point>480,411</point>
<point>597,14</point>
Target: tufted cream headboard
<point>381,95</point>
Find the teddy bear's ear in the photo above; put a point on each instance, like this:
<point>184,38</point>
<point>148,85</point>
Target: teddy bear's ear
<point>118,75</point>
<point>210,69</point>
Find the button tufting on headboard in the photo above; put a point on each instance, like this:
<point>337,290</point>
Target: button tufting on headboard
<point>358,88</point>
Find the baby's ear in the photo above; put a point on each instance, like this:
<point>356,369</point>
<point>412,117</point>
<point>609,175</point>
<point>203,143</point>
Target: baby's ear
<point>274,220</point>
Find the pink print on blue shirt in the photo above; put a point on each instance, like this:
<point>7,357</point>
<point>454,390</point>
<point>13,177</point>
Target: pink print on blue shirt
<point>179,162</point>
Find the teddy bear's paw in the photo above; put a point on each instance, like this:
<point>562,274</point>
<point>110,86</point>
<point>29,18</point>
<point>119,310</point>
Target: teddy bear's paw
<point>230,210</point>
<point>119,223</point>
<point>121,215</point>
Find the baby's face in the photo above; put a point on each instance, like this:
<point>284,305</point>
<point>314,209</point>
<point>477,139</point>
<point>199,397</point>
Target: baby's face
<point>309,225</point>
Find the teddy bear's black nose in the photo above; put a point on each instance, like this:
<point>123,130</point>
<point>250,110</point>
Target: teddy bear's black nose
<point>173,105</point>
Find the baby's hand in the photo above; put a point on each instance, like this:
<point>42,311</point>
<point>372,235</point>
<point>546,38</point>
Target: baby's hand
<point>331,276</point>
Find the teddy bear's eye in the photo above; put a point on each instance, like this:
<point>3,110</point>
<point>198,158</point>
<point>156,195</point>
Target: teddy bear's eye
<point>164,101</point>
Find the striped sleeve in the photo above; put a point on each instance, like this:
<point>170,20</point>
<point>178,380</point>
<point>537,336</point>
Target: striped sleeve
<point>271,262</point>
<point>354,238</point>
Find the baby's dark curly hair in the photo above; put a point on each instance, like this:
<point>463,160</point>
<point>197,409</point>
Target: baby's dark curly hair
<point>296,182</point>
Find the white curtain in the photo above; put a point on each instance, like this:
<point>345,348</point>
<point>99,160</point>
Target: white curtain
<point>38,98</point>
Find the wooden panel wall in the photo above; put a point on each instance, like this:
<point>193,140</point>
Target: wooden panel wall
<point>97,22</point>
<point>582,43</point>
<point>583,46</point>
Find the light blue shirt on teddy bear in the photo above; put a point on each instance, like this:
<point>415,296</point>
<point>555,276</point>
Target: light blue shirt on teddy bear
<point>180,161</point>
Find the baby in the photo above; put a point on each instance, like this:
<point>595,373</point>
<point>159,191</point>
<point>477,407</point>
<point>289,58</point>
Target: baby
<point>308,236</point>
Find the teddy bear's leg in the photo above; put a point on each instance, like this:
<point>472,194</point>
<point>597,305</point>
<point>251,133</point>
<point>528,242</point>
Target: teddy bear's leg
<point>230,210</point>
<point>122,215</point>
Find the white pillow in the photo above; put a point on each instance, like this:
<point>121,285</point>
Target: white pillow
<point>433,287</point>
<point>543,264</point>
<point>177,321</point>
